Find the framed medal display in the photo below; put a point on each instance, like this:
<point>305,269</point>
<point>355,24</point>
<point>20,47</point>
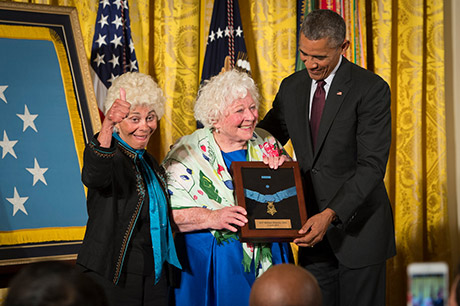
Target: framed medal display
<point>273,199</point>
<point>44,74</point>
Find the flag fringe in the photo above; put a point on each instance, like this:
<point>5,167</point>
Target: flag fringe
<point>23,236</point>
<point>74,115</point>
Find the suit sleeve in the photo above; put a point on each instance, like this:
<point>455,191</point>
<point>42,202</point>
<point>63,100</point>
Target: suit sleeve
<point>364,190</point>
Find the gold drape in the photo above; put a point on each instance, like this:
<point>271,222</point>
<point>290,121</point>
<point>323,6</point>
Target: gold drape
<point>270,35</point>
<point>409,54</point>
<point>170,40</point>
<point>174,64</point>
<point>407,51</point>
<point>180,36</point>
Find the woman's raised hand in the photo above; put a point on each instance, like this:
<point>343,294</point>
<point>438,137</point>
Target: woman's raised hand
<point>117,112</point>
<point>119,109</point>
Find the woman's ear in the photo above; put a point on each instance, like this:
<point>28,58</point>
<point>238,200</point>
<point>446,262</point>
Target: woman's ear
<point>215,124</point>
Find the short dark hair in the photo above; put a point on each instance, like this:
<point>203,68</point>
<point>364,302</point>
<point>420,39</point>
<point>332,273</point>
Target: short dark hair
<point>319,24</point>
<point>53,283</point>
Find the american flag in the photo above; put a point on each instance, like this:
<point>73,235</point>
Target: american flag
<point>225,39</point>
<point>112,52</point>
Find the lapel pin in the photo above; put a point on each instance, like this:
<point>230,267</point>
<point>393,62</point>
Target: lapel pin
<point>339,93</point>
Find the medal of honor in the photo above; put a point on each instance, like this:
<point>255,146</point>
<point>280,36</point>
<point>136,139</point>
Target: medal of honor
<point>271,209</point>
<point>270,199</point>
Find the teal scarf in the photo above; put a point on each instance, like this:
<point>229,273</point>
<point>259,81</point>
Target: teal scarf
<point>160,228</point>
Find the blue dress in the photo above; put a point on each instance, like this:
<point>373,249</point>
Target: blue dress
<point>212,273</point>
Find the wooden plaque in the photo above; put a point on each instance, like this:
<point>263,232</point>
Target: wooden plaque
<point>273,199</point>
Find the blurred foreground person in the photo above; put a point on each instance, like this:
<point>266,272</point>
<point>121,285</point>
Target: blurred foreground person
<point>454,295</point>
<point>53,283</point>
<point>286,285</point>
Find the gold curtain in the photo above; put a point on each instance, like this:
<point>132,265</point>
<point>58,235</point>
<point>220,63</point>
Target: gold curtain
<point>407,51</point>
<point>170,40</point>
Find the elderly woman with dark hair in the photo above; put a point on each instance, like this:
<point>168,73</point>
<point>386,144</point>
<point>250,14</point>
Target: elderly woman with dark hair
<point>128,241</point>
<point>217,268</point>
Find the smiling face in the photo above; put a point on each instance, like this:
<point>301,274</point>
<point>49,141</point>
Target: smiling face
<point>319,58</point>
<point>137,128</point>
<point>236,126</point>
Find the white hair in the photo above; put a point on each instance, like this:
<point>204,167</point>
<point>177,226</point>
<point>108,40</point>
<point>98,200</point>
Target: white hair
<point>141,90</point>
<point>217,94</point>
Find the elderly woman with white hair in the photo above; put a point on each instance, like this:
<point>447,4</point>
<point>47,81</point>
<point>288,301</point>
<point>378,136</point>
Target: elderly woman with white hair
<point>217,268</point>
<point>128,241</point>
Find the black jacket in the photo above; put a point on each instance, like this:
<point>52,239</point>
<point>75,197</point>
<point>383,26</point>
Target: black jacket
<point>116,193</point>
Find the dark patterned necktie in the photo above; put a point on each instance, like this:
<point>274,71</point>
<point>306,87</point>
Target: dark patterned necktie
<point>317,109</point>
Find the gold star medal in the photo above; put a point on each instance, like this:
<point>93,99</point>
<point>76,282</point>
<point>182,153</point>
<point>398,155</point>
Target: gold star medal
<point>271,209</point>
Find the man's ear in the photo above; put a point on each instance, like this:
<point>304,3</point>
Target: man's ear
<point>345,45</point>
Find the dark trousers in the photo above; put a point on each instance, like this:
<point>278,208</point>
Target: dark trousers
<point>133,289</point>
<point>342,286</point>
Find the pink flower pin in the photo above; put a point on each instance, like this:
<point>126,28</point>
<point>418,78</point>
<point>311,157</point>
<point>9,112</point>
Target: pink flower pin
<point>270,149</point>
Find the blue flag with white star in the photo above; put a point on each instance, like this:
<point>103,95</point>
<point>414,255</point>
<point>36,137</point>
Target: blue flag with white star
<point>225,39</point>
<point>112,51</point>
<point>41,194</point>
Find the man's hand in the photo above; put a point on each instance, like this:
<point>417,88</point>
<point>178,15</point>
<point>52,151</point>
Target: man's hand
<point>315,228</point>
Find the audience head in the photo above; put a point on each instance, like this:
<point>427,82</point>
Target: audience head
<point>454,296</point>
<point>141,90</point>
<point>320,24</point>
<point>286,284</point>
<point>53,284</point>
<point>218,93</point>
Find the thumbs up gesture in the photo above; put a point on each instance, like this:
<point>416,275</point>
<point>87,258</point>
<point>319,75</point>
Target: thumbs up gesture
<point>119,110</point>
<point>116,114</point>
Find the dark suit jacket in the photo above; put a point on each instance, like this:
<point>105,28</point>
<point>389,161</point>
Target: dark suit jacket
<point>345,172</point>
